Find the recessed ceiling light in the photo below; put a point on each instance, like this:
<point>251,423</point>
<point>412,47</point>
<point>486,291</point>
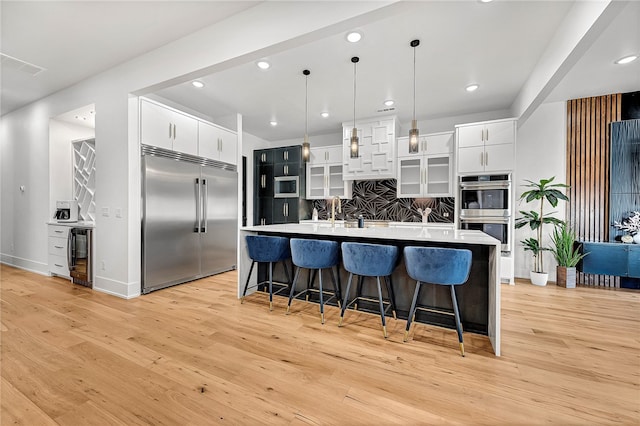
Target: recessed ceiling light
<point>324,114</point>
<point>273,123</point>
<point>472,87</point>
<point>263,65</point>
<point>389,102</point>
<point>354,36</point>
<point>626,59</point>
<point>197,84</point>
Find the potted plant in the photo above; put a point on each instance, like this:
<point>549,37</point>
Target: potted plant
<point>566,253</point>
<point>544,190</point>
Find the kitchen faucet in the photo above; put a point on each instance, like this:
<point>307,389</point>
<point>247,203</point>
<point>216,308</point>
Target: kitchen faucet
<point>333,210</point>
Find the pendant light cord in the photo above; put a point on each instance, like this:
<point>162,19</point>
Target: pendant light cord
<point>354,94</point>
<point>306,104</point>
<point>414,83</point>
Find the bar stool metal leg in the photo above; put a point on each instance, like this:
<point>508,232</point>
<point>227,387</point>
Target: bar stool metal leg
<point>412,310</point>
<point>321,297</point>
<point>336,288</point>
<point>293,288</point>
<point>244,292</point>
<point>271,286</point>
<point>454,301</point>
<point>392,296</point>
<point>384,324</point>
<point>345,302</point>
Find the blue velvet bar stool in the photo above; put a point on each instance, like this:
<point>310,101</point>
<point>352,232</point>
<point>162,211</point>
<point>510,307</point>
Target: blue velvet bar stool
<point>370,260</point>
<point>267,249</point>
<point>439,266</point>
<point>315,255</point>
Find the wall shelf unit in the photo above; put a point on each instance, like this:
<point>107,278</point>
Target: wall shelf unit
<point>84,178</point>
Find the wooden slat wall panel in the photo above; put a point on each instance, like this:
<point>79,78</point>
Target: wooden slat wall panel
<point>588,159</point>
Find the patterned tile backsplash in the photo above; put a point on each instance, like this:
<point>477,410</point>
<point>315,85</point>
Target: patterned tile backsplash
<point>376,199</point>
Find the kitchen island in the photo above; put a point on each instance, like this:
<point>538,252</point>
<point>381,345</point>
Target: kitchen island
<point>479,298</point>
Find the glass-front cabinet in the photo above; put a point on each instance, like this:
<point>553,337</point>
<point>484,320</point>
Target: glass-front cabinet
<point>426,173</point>
<point>325,174</point>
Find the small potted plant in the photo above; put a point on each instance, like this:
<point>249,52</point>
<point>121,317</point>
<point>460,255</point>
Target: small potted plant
<point>541,191</point>
<point>566,253</point>
<point>631,225</point>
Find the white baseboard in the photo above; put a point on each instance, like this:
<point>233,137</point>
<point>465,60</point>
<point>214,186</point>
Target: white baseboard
<point>116,288</point>
<point>26,264</point>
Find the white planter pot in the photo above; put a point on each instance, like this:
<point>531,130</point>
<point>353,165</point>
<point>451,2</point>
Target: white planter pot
<point>539,278</point>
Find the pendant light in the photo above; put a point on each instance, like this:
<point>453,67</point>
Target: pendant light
<point>354,133</point>
<point>414,133</point>
<point>306,146</point>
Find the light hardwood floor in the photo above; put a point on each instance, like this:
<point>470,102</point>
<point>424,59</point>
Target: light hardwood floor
<point>193,355</point>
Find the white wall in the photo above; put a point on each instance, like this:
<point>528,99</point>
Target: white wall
<point>540,154</point>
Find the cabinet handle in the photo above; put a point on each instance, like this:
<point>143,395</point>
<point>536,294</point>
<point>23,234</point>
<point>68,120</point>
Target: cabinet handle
<point>174,132</point>
<point>263,181</point>
<point>58,247</point>
<point>170,125</point>
<point>486,158</point>
<point>487,135</point>
<point>482,158</point>
<point>58,232</point>
<point>326,155</point>
<point>262,157</point>
<point>58,265</point>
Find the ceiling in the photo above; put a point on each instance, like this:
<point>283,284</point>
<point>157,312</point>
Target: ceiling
<point>496,45</point>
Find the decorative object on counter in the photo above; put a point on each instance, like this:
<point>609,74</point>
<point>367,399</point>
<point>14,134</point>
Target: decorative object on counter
<point>627,239</point>
<point>631,224</point>
<point>354,142</point>
<point>541,191</point>
<point>376,200</point>
<point>306,146</point>
<point>314,215</point>
<point>425,214</point>
<point>414,133</point>
<point>360,221</point>
<point>566,253</point>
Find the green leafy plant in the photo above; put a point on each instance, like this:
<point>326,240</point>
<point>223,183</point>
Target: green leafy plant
<point>563,241</point>
<point>541,191</point>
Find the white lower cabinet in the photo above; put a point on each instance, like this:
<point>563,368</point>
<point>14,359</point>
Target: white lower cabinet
<point>58,240</point>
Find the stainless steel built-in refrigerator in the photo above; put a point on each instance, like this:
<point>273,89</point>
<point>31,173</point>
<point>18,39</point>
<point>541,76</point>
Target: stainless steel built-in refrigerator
<point>190,218</point>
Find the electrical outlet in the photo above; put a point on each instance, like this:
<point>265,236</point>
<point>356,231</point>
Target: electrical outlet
<point>105,211</point>
<point>118,213</point>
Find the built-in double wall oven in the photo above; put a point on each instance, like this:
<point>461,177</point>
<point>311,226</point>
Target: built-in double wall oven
<point>485,205</point>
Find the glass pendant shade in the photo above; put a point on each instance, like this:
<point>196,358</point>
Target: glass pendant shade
<point>414,134</point>
<point>354,143</point>
<point>306,149</point>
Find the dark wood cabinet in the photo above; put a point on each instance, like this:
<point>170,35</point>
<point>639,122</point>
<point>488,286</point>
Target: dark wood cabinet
<point>269,164</point>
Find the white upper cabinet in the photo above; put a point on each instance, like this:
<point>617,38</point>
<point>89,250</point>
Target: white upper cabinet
<point>486,147</point>
<point>427,173</point>
<point>167,128</point>
<point>217,143</point>
<point>377,149</point>
<point>325,174</point>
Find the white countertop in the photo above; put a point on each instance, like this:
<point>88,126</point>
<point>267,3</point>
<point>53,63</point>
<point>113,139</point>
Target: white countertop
<point>408,233</point>
<point>78,224</point>
<point>391,224</point>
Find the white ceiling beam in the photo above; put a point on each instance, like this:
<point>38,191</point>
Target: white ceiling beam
<point>582,26</point>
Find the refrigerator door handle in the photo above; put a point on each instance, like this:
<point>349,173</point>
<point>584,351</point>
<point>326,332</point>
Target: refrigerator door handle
<point>205,200</point>
<point>198,205</point>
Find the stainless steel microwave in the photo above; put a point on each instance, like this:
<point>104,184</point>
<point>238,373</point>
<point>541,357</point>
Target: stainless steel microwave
<point>286,187</point>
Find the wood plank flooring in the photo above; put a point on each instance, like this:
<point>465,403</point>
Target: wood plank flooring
<point>193,355</point>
